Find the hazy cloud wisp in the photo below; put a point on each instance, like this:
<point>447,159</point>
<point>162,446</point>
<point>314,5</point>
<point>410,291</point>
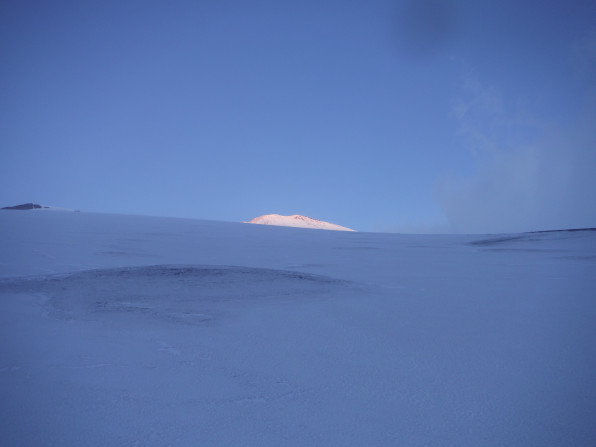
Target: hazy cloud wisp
<point>528,176</point>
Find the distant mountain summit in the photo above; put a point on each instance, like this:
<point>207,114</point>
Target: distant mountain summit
<point>297,221</point>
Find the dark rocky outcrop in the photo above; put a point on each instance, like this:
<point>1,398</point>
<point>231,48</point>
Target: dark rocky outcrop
<point>24,206</point>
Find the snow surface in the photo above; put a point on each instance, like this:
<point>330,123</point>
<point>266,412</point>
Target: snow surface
<point>125,330</point>
<point>297,221</point>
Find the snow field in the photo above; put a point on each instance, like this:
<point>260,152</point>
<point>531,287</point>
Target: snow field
<point>123,330</point>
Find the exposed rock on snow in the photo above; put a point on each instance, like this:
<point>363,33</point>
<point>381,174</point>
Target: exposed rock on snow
<point>36,206</point>
<point>297,221</point>
<point>24,206</point>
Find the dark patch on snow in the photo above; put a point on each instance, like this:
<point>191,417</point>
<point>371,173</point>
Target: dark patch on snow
<point>496,240</point>
<point>579,258</point>
<point>187,294</point>
<point>565,230</point>
<point>528,250</point>
<point>356,248</point>
<point>534,236</point>
<point>115,253</point>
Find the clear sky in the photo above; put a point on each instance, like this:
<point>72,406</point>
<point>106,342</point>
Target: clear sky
<point>414,116</point>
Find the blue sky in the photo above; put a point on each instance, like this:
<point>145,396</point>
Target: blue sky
<point>414,116</point>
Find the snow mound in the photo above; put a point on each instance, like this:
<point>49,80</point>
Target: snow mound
<point>297,221</point>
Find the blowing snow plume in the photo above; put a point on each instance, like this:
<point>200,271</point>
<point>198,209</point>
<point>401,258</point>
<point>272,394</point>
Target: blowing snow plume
<point>297,221</point>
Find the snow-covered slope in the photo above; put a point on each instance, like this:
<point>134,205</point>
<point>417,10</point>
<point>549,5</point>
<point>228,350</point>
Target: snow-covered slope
<point>126,330</point>
<point>297,221</point>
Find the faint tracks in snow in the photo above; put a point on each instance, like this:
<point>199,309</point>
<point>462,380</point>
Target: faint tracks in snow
<point>92,366</point>
<point>12,368</point>
<point>270,398</point>
<point>165,347</point>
